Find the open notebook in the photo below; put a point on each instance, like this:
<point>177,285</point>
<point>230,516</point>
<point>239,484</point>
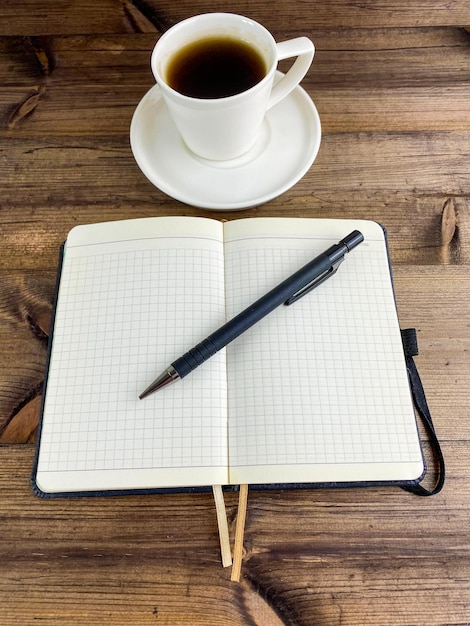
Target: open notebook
<point>317,392</point>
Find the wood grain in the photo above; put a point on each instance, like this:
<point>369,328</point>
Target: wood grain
<point>25,312</point>
<point>362,557</point>
<point>367,87</point>
<point>391,81</point>
<point>375,108</point>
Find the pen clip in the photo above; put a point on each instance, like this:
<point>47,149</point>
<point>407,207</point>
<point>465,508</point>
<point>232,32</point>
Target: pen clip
<point>314,283</point>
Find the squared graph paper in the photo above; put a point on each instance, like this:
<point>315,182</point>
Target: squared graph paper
<point>124,315</point>
<point>321,383</point>
<point>315,392</point>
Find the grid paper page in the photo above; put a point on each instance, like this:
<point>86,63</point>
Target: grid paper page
<point>126,311</point>
<point>318,390</point>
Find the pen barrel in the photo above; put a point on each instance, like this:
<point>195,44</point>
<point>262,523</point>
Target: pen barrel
<point>250,316</point>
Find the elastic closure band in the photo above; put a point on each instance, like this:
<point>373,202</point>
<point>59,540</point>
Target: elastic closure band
<point>410,347</point>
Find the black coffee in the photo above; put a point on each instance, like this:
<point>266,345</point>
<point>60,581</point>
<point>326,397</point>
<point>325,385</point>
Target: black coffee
<point>215,67</point>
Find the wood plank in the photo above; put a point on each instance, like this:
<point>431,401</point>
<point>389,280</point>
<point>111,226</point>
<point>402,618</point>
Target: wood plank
<point>386,38</point>
<point>28,17</point>
<point>422,162</point>
<point>404,109</point>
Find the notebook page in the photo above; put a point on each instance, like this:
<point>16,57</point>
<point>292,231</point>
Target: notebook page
<point>318,391</point>
<point>135,295</point>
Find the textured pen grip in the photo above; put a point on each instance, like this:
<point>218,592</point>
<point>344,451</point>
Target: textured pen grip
<point>195,357</point>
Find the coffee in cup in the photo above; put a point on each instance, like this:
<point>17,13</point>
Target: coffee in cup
<point>215,67</point>
<point>216,74</point>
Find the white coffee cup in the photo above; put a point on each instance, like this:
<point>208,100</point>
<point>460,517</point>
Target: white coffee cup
<point>227,127</point>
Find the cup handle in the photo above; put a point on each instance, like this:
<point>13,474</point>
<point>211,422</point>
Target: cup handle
<point>303,49</point>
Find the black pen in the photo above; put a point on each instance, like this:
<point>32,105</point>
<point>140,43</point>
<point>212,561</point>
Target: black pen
<point>290,290</point>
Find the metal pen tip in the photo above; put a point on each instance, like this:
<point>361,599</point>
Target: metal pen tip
<point>170,375</point>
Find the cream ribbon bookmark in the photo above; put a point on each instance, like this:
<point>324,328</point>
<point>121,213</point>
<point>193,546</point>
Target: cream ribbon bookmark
<point>239,533</point>
<point>223,525</point>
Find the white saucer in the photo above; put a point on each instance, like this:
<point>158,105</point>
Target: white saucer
<point>286,148</point>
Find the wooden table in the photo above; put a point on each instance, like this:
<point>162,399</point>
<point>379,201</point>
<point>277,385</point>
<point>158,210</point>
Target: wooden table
<point>391,81</point>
